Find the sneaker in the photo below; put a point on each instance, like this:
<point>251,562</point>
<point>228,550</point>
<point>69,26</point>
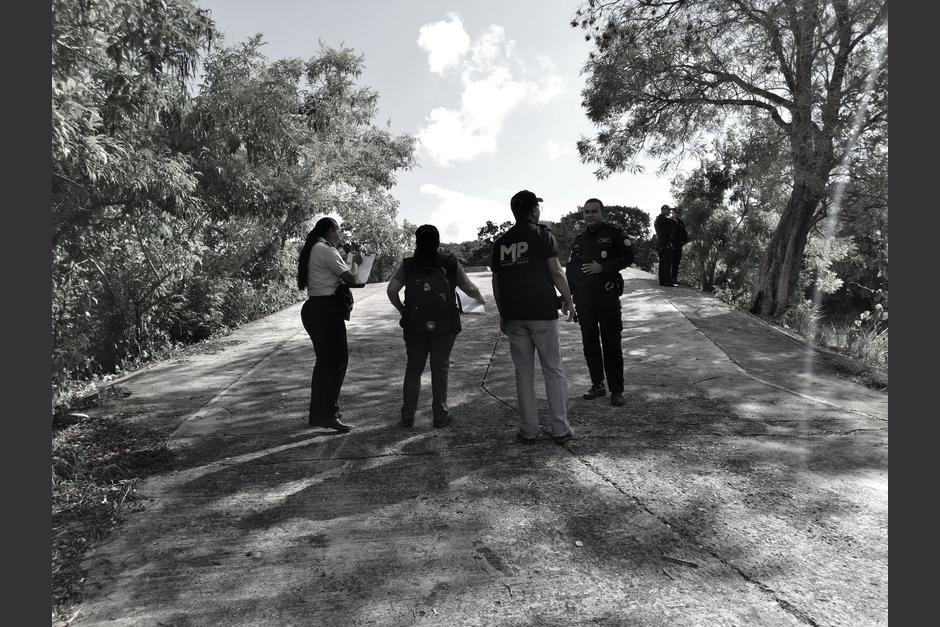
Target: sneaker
<point>561,439</point>
<point>596,391</point>
<point>442,421</point>
<point>616,399</point>
<point>524,439</point>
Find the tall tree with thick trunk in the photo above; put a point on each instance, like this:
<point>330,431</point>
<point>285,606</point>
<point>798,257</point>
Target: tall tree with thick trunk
<point>665,74</point>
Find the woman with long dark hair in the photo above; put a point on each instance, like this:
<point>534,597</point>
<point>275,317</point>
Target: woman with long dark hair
<point>430,319</point>
<point>323,272</point>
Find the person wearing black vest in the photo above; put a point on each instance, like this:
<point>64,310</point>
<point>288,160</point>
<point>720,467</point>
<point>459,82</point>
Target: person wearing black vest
<point>597,257</point>
<point>430,319</point>
<point>666,231</point>
<point>322,271</point>
<point>526,273</point>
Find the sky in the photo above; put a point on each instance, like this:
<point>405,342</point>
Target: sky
<point>491,88</point>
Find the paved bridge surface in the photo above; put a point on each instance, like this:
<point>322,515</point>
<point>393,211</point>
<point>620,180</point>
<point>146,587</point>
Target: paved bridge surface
<point>745,482</point>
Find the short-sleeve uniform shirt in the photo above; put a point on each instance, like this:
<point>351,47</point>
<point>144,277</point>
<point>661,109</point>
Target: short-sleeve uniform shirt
<point>324,269</point>
<point>520,265</point>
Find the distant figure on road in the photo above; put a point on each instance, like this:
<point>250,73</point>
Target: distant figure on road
<point>322,271</point>
<point>526,273</point>
<point>430,319</point>
<point>666,228</point>
<point>680,239</point>
<point>597,257</point>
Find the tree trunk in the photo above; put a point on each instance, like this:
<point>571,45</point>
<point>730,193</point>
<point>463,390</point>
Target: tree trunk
<point>780,267</point>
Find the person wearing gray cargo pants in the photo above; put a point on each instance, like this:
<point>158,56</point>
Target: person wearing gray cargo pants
<point>526,275</point>
<point>526,338</point>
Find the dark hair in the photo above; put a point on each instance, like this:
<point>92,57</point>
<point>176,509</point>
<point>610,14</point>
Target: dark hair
<point>427,242</point>
<point>665,208</point>
<point>320,229</point>
<point>593,200</point>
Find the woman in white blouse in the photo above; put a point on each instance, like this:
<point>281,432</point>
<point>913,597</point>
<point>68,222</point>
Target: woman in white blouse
<point>322,271</point>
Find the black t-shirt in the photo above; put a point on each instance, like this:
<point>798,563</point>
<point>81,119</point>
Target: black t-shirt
<point>520,265</point>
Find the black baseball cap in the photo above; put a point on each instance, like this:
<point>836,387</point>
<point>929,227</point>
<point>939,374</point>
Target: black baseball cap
<point>524,200</point>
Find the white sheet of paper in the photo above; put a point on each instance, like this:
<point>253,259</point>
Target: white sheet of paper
<point>469,305</point>
<point>362,273</point>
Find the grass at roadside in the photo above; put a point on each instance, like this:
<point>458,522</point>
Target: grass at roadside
<point>97,465</point>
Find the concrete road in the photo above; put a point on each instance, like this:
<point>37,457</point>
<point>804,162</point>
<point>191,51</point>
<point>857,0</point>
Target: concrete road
<point>745,482</point>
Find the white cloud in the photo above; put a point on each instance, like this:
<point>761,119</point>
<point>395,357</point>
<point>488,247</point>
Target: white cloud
<point>459,216</point>
<point>492,90</point>
<point>554,150</point>
<point>445,42</point>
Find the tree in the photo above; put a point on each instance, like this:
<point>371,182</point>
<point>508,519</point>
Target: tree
<point>864,219</point>
<point>664,73</point>
<point>730,207</point>
<point>284,141</point>
<point>118,83</point>
<point>490,232</point>
<point>124,203</point>
<point>479,253</point>
<point>176,214</point>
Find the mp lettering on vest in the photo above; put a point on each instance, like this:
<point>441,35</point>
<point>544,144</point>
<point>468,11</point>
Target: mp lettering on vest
<point>515,250</point>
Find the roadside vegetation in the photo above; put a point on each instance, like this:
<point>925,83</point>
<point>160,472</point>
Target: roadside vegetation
<point>97,465</point>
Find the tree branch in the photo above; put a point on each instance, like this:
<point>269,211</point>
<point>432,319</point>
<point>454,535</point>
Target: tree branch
<point>766,21</point>
<point>877,21</point>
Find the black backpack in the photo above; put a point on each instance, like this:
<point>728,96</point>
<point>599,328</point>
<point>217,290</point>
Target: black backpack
<point>430,302</point>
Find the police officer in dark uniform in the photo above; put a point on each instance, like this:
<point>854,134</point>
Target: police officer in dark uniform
<point>597,257</point>
<point>667,234</point>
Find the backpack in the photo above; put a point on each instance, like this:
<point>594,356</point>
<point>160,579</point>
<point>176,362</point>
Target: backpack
<point>430,302</point>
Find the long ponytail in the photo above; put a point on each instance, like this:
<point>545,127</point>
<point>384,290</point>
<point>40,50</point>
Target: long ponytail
<point>320,229</point>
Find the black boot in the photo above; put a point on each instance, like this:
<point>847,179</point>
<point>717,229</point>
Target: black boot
<point>443,420</point>
<point>597,390</point>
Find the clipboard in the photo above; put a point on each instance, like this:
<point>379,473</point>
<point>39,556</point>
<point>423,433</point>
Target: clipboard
<point>365,268</point>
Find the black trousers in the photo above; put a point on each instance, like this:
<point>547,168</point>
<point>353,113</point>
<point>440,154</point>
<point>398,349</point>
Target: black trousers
<point>667,266</point>
<point>418,347</point>
<point>323,319</point>
<point>676,258</point>
<point>601,328</point>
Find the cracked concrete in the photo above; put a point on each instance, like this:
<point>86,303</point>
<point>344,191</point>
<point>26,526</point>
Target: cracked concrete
<point>745,482</point>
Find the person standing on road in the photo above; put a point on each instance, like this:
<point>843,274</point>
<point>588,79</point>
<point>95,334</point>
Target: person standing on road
<point>526,273</point>
<point>597,257</point>
<point>430,319</point>
<point>665,226</point>
<point>679,239</point>
<point>322,271</point>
